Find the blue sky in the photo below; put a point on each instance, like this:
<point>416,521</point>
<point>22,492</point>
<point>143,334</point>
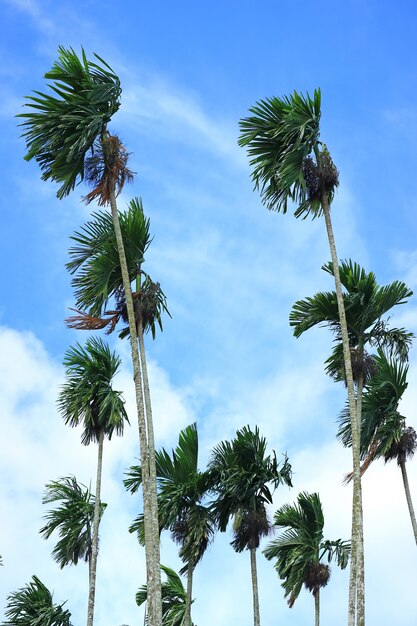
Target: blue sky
<point>231,271</point>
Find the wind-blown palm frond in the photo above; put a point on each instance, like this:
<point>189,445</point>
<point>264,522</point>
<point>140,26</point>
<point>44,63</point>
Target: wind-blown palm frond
<point>95,260</point>
<point>33,606</point>
<point>365,303</point>
<point>280,136</point>
<point>300,549</point>
<point>87,397</point>
<point>62,126</point>
<point>73,519</point>
<point>173,598</point>
<point>244,479</point>
<point>381,421</point>
<point>182,489</point>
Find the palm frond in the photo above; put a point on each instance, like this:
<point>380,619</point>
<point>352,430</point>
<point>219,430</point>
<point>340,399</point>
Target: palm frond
<point>62,126</point>
<point>33,605</point>
<point>95,260</point>
<point>87,397</point>
<point>279,136</point>
<point>72,519</point>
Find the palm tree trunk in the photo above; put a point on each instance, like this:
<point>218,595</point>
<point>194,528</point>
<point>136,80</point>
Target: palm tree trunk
<point>357,514</point>
<point>317,608</point>
<point>360,560</point>
<point>256,614</point>
<point>151,456</point>
<point>94,542</point>
<point>187,617</point>
<point>153,573</point>
<point>409,500</point>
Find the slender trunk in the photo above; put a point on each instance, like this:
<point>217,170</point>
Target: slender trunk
<point>409,500</point>
<point>357,516</point>
<point>256,615</point>
<point>152,568</point>
<point>94,542</point>
<point>151,457</point>
<point>187,617</point>
<point>317,608</point>
<point>360,556</point>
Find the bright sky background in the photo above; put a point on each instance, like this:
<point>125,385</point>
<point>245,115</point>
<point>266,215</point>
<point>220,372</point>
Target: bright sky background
<point>231,272</point>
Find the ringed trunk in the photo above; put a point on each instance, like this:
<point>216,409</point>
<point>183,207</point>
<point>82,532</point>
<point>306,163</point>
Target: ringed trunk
<point>409,500</point>
<point>187,616</point>
<point>153,573</point>
<point>254,573</point>
<point>151,456</point>
<point>357,516</point>
<point>317,608</point>
<point>92,566</point>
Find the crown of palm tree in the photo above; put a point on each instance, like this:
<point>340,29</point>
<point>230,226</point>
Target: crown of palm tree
<point>382,426</point>
<point>61,128</point>
<point>182,488</point>
<point>365,304</point>
<point>299,550</point>
<point>243,477</point>
<point>73,519</point>
<point>33,605</point>
<point>280,137</point>
<point>97,273</point>
<point>87,397</point>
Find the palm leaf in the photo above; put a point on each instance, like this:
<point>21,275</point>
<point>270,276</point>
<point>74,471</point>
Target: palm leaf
<point>60,129</point>
<point>33,605</point>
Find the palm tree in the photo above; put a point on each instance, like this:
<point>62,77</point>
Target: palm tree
<point>384,433</point>
<point>182,488</point>
<point>300,550</point>
<point>244,479</point>
<point>73,519</point>
<point>290,163</point>
<point>174,599</point>
<point>66,133</point>
<point>365,304</point>
<point>88,399</point>
<point>33,605</point>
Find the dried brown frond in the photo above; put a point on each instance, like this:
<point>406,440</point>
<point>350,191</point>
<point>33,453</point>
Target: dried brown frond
<point>369,458</point>
<point>84,321</point>
<point>106,169</point>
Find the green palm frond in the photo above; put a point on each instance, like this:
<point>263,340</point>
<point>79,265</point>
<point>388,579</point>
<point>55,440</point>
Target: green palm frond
<point>382,425</point>
<point>365,304</point>
<point>33,605</point>
<point>72,518</point>
<point>300,547</point>
<point>174,598</point>
<point>280,136</point>
<point>87,397</point>
<point>244,478</point>
<point>62,126</point>
<point>182,489</point>
<point>95,260</point>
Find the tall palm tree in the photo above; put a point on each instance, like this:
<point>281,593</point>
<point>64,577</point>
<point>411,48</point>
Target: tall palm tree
<point>300,550</point>
<point>182,489</point>
<point>365,304</point>
<point>88,399</point>
<point>73,518</point>
<point>174,599</point>
<point>33,605</point>
<point>384,433</point>
<point>244,479</point>
<point>66,132</point>
<point>290,163</point>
